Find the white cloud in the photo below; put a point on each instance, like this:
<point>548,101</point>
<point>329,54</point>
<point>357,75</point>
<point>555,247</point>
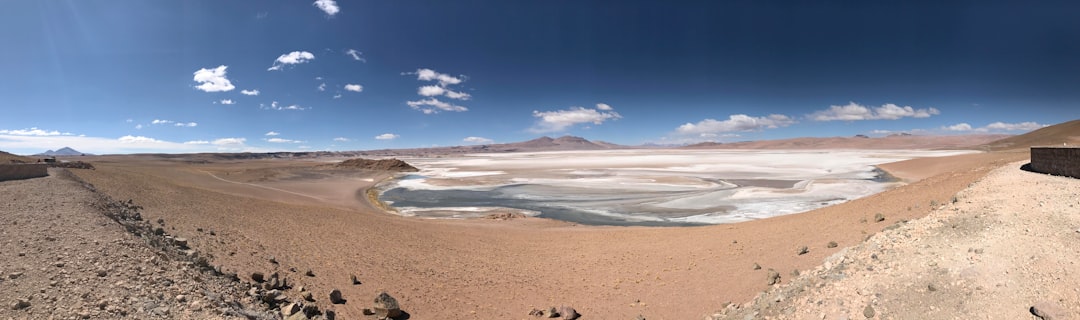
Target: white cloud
<point>138,126</point>
<point>959,127</point>
<point>34,131</point>
<point>854,111</point>
<point>188,124</point>
<point>329,6</point>
<point>387,136</point>
<point>197,142</point>
<point>271,133</point>
<point>559,120</point>
<point>432,75</point>
<point>295,57</point>
<point>430,91</point>
<point>229,142</point>
<point>322,87</point>
<point>274,105</point>
<point>157,121</point>
<point>478,140</point>
<point>356,55</point>
<point>354,87</point>
<point>137,139</point>
<point>337,96</point>
<point>129,120</point>
<point>253,92</point>
<point>227,101</point>
<point>341,139</point>
<point>735,123</point>
<point>437,104</point>
<point>1022,126</point>
<point>603,107</point>
<point>280,140</point>
<point>213,80</point>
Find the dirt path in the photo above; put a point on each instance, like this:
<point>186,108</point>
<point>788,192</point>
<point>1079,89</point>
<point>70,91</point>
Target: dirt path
<point>1008,243</point>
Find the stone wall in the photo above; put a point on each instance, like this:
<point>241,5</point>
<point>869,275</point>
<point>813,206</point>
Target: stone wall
<point>1060,161</point>
<point>23,171</point>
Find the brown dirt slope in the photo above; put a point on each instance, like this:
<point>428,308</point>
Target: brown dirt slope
<point>1006,248</point>
<point>1055,135</point>
<point>9,158</point>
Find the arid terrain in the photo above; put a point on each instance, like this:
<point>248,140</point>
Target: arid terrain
<point>291,216</point>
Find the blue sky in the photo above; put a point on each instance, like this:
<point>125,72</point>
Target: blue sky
<point>189,76</point>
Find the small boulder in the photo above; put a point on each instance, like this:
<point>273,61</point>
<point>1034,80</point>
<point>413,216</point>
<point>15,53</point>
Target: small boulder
<point>354,280</point>
<point>536,312</point>
<point>832,244</point>
<point>1046,310</point>
<point>878,217</point>
<point>289,309</point>
<point>258,277</point>
<point>181,242</point>
<point>568,313</point>
<point>803,250</point>
<point>386,306</point>
<point>757,266</point>
<point>307,296</point>
<point>309,273</point>
<point>20,304</point>
<point>773,277</point>
<point>868,312</point>
<point>335,297</point>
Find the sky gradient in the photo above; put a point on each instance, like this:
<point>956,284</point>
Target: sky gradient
<point>130,76</point>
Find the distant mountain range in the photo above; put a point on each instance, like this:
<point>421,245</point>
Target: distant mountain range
<point>65,151</point>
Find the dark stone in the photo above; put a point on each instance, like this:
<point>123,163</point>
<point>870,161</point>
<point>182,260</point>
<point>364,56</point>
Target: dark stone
<point>335,297</point>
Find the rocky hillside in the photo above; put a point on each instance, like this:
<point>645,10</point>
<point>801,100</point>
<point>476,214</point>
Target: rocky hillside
<point>1055,135</point>
<point>10,158</point>
<point>392,165</point>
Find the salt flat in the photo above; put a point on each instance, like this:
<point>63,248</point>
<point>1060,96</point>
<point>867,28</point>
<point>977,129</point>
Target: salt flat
<point>643,187</point>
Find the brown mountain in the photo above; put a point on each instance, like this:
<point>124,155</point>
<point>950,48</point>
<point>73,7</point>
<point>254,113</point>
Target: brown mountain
<point>1055,135</point>
<point>890,142</point>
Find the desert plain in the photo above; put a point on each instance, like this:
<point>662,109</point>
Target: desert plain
<point>293,215</point>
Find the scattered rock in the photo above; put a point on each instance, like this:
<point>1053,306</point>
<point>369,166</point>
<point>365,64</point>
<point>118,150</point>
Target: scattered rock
<point>795,273</point>
<point>1046,310</point>
<point>386,306</point>
<point>258,277</point>
<point>878,217</point>
<point>335,297</point>
<point>931,287</point>
<point>354,280</point>
<point>20,304</point>
<point>803,250</point>
<point>773,277</point>
<point>832,244</point>
<point>309,273</point>
<point>552,312</point>
<point>307,296</point>
<point>102,273</point>
<point>757,266</point>
<point>640,317</point>
<point>289,309</point>
<point>868,312</point>
<point>273,260</point>
<point>534,312</point>
<point>181,242</point>
<point>15,275</point>
<point>568,313</point>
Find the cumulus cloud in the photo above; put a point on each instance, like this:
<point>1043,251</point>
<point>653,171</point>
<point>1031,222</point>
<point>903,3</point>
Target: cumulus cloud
<point>280,140</point>
<point>271,133</point>
<point>213,80</point>
<point>322,87</point>
<point>253,92</point>
<point>735,123</point>
<point>34,131</point>
<point>603,107</point>
<point>197,142</point>
<point>386,136</point>
<point>295,57</point>
<point>329,6</point>
<point>959,127</point>
<point>227,101</point>
<point>354,87</point>
<point>341,139</point>
<point>158,121</point>
<point>432,105</point>
<point>854,111</point>
<point>478,140</point>
<point>559,120</point>
<point>337,96</point>
<point>274,105</point>
<point>356,55</point>
<point>186,124</point>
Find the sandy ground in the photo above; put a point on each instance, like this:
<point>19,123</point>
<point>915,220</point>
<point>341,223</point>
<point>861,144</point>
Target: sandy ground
<point>989,255</point>
<point>495,269</point>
